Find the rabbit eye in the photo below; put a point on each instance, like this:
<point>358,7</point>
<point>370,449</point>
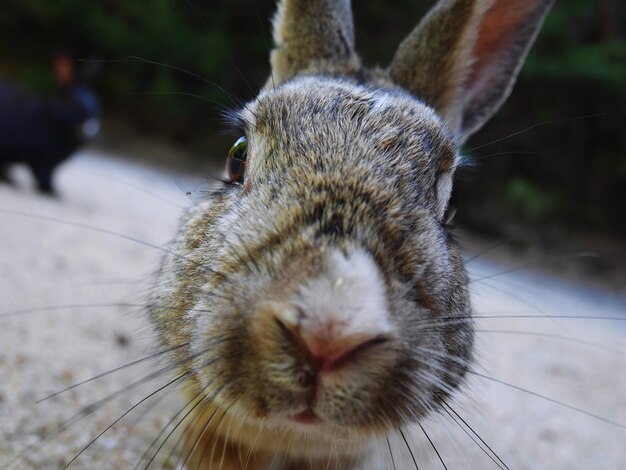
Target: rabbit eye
<point>236,161</point>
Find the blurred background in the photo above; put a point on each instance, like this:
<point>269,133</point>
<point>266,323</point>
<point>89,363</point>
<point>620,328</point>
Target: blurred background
<point>553,159</point>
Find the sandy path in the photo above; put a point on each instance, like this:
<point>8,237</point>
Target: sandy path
<point>88,275</point>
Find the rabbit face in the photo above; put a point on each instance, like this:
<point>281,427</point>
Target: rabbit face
<point>319,294</point>
<point>326,292</point>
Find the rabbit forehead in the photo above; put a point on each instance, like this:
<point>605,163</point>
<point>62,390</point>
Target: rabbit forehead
<point>340,101</point>
<point>316,115</point>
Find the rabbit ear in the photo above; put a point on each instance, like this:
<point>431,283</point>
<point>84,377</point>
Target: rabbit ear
<point>464,57</point>
<point>313,36</point>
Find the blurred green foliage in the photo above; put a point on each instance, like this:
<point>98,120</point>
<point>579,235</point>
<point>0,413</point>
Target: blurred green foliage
<point>569,170</point>
<point>582,39</point>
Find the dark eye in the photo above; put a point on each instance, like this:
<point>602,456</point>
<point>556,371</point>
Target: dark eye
<point>236,161</point>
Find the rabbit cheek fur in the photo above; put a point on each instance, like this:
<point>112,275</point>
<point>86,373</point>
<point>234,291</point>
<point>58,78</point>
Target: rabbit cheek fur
<point>336,237</point>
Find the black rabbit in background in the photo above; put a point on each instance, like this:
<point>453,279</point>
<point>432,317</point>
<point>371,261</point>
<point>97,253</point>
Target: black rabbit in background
<point>43,131</point>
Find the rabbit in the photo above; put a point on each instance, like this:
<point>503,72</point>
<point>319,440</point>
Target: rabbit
<point>317,301</point>
<point>44,131</point>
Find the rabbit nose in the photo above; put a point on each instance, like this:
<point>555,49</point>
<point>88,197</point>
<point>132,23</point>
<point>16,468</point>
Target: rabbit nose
<point>329,348</point>
<point>341,312</point>
<point>333,351</point>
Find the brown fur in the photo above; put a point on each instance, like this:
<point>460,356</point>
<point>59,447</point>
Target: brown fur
<point>335,165</point>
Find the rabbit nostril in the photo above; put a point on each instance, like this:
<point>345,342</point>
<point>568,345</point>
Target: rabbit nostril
<point>378,340</point>
<point>351,352</point>
<point>305,378</point>
<point>282,326</point>
<point>332,352</point>
<point>327,348</point>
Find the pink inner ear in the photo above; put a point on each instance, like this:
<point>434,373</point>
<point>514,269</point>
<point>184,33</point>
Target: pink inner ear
<point>498,31</point>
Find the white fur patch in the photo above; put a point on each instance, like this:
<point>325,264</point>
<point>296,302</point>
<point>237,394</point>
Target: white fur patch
<point>347,299</point>
<point>444,190</point>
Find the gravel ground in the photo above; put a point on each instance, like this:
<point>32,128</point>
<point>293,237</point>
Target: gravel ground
<point>70,308</point>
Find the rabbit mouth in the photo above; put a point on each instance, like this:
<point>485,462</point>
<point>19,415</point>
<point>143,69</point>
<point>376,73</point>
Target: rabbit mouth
<point>306,417</point>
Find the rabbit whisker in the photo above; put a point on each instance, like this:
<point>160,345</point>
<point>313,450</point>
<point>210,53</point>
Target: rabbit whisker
<point>236,101</point>
<point>445,425</point>
<point>456,418</point>
<point>180,93</point>
<point>225,439</point>
<point>582,254</point>
<point>552,400</point>
<point>239,454</point>
<point>498,154</point>
<point>127,412</point>
<point>409,447</point>
<point>263,33</point>
<point>208,28</point>
<point>534,126</point>
<point>425,326</point>
<point>137,188</point>
<point>135,59</point>
<point>202,398</point>
<point>436,382</point>
<point>507,283</point>
<point>393,462</point>
<point>513,295</point>
<point>483,252</point>
<point>199,396</point>
<point>251,450</point>
<point>112,371</point>
<point>201,434</point>
<point>289,446</point>
<point>103,305</point>
<point>432,444</point>
<point>330,454</point>
<point>147,409</point>
<point>566,317</point>
<point>554,336</point>
<point>106,232</point>
<point>92,408</point>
